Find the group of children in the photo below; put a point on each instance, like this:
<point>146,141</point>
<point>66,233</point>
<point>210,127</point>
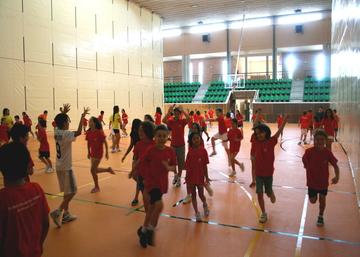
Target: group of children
<point>152,160</point>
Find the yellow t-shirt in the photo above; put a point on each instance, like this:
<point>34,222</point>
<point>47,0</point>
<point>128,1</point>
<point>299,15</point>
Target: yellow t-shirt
<point>8,121</point>
<point>115,121</point>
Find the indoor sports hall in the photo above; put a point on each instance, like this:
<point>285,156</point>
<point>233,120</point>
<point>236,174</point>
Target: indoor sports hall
<point>200,128</point>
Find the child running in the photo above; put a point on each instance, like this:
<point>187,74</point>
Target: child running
<point>96,141</point>
<point>235,136</point>
<point>197,173</point>
<point>64,170</point>
<point>27,122</point>
<point>329,124</point>
<point>337,123</point>
<point>24,221</point>
<point>44,150</point>
<point>311,123</point>
<point>304,125</point>
<point>159,160</point>
<point>264,145</point>
<point>316,162</point>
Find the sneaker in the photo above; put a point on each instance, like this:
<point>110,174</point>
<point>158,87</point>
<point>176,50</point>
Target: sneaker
<point>56,217</point>
<point>299,143</point>
<point>49,170</point>
<point>95,190</point>
<point>117,150</point>
<point>320,221</point>
<point>187,199</point>
<point>209,189</point>
<point>263,217</point>
<point>134,202</point>
<point>206,211</point>
<point>213,153</point>
<point>198,217</point>
<point>67,217</point>
<point>178,182</point>
<point>305,143</point>
<point>113,150</point>
<point>242,167</point>
<point>273,198</point>
<point>142,238</point>
<point>150,237</point>
<point>232,174</point>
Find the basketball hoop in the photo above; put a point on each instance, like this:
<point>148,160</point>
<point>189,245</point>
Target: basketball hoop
<point>235,81</point>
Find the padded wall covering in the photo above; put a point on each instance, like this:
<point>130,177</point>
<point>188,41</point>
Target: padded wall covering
<point>94,53</point>
<point>345,73</point>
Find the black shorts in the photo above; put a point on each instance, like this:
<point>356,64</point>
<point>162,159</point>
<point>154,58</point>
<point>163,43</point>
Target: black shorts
<point>44,154</point>
<point>140,183</point>
<point>155,195</point>
<point>314,192</point>
<point>116,131</point>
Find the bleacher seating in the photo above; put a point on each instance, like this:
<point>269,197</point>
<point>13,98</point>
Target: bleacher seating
<point>316,90</point>
<point>269,90</point>
<point>180,92</point>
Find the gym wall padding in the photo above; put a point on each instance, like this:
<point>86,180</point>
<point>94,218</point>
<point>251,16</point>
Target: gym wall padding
<point>94,53</point>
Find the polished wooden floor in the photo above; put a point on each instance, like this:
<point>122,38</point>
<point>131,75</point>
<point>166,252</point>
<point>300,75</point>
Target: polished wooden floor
<point>107,223</point>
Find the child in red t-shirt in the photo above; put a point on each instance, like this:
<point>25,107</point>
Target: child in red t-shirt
<point>304,125</point>
<point>27,122</point>
<point>125,120</point>
<point>197,173</point>
<point>202,123</point>
<point>329,124</point>
<point>311,123</point>
<point>4,132</point>
<point>157,116</point>
<point>239,118</point>
<point>235,136</point>
<point>159,160</point>
<point>101,118</point>
<point>264,147</point>
<point>24,221</point>
<point>17,120</point>
<point>228,120</point>
<point>279,121</point>
<point>316,162</point>
<point>44,150</point>
<point>211,116</point>
<point>96,141</point>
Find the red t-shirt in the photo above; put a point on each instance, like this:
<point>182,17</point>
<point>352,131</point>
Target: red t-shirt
<point>207,116</point>
<point>233,136</point>
<point>96,139</point>
<point>156,174</point>
<point>329,126</point>
<point>240,119</point>
<point>304,122</point>
<point>140,149</point>
<point>311,118</point>
<point>316,162</point>
<point>227,123</point>
<point>265,156</point>
<point>221,125</point>
<point>211,113</point>
<point>252,141</point>
<point>43,116</point>
<point>4,135</point>
<point>124,118</point>
<point>195,165</point>
<point>44,144</point>
<point>261,118</point>
<point>101,118</point>
<point>279,121</point>
<point>191,121</point>
<point>23,210</point>
<point>177,131</point>
<point>196,118</point>
<point>27,121</point>
<point>202,122</point>
<point>157,119</point>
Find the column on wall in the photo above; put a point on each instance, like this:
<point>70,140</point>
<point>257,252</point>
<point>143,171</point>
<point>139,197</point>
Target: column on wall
<point>274,52</point>
<point>185,63</point>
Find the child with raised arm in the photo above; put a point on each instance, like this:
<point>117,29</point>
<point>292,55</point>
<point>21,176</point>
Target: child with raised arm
<point>64,170</point>
<point>316,162</point>
<point>264,148</point>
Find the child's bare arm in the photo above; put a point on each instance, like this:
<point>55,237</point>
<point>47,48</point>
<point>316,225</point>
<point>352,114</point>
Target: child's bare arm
<point>277,134</point>
<point>335,179</point>
<point>169,167</point>
<point>186,114</point>
<point>165,119</point>
<point>131,146</point>
<point>207,175</point>
<point>88,148</point>
<point>106,150</point>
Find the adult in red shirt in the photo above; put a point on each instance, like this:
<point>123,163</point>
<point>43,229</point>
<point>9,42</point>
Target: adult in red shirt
<point>44,150</point>
<point>240,119</point>
<point>235,136</point>
<point>27,122</point>
<point>157,116</point>
<point>304,125</point>
<point>329,124</point>
<point>222,133</point>
<point>24,221</point>
<point>177,127</point>
<point>316,162</point>
<point>96,141</point>
<point>264,148</point>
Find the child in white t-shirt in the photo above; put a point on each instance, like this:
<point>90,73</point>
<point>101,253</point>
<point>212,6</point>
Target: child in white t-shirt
<point>65,174</point>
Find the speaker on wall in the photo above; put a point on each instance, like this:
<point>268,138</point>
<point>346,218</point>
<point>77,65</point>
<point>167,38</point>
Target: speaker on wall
<point>299,29</point>
<point>206,38</point>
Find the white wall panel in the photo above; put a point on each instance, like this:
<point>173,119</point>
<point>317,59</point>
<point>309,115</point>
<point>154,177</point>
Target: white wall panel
<point>38,9</point>
<point>64,41</point>
<point>65,77</point>
<point>105,80</point>
<point>11,5</point>
<point>86,51</point>
<point>11,31</point>
<point>64,14</point>
<point>87,79</point>
<point>38,75</point>
<point>85,10</point>
<point>87,98</point>
<point>106,101</point>
<point>39,99</point>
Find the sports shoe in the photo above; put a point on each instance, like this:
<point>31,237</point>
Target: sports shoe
<point>142,237</point>
<point>320,221</point>
<point>213,153</point>
<point>95,190</point>
<point>263,217</point>
<point>242,167</point>
<point>150,237</point>
<point>299,143</point>
<point>206,210</point>
<point>67,217</point>
<point>198,217</point>
<point>49,170</point>
<point>113,150</point>
<point>187,199</point>
<point>134,202</point>
<point>232,174</point>
<point>209,189</point>
<point>273,198</point>
<point>56,217</point>
<point>178,182</point>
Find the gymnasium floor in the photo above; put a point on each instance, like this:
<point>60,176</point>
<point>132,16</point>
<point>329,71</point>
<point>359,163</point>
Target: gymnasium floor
<point>107,223</point>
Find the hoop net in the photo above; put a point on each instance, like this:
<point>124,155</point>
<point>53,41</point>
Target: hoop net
<point>235,81</point>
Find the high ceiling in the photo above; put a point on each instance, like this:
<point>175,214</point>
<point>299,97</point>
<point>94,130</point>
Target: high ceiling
<point>185,12</point>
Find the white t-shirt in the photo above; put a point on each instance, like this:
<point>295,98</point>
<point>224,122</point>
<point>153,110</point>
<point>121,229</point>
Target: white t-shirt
<point>64,139</point>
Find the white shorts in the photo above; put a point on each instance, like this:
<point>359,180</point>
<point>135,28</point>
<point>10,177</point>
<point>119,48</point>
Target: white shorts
<point>67,182</point>
<point>223,138</point>
<point>304,131</point>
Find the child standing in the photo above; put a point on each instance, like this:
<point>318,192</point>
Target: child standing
<point>8,119</point>
<point>197,173</point>
<point>125,120</point>
<point>101,118</point>
<point>23,206</point>
<point>116,125</point>
<point>264,154</point>
<point>311,123</point>
<point>159,160</point>
<point>4,133</point>
<point>96,140</point>
<point>304,125</point>
<point>65,174</point>
<point>316,162</point>
<point>329,124</point>
<point>235,136</point>
<point>27,122</point>
<point>337,123</point>
<point>222,133</point>
<point>44,150</point>
<point>239,118</point>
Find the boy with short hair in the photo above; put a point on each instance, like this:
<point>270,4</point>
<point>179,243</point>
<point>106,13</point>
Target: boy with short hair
<point>316,162</point>
<point>24,221</point>
<point>65,174</point>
